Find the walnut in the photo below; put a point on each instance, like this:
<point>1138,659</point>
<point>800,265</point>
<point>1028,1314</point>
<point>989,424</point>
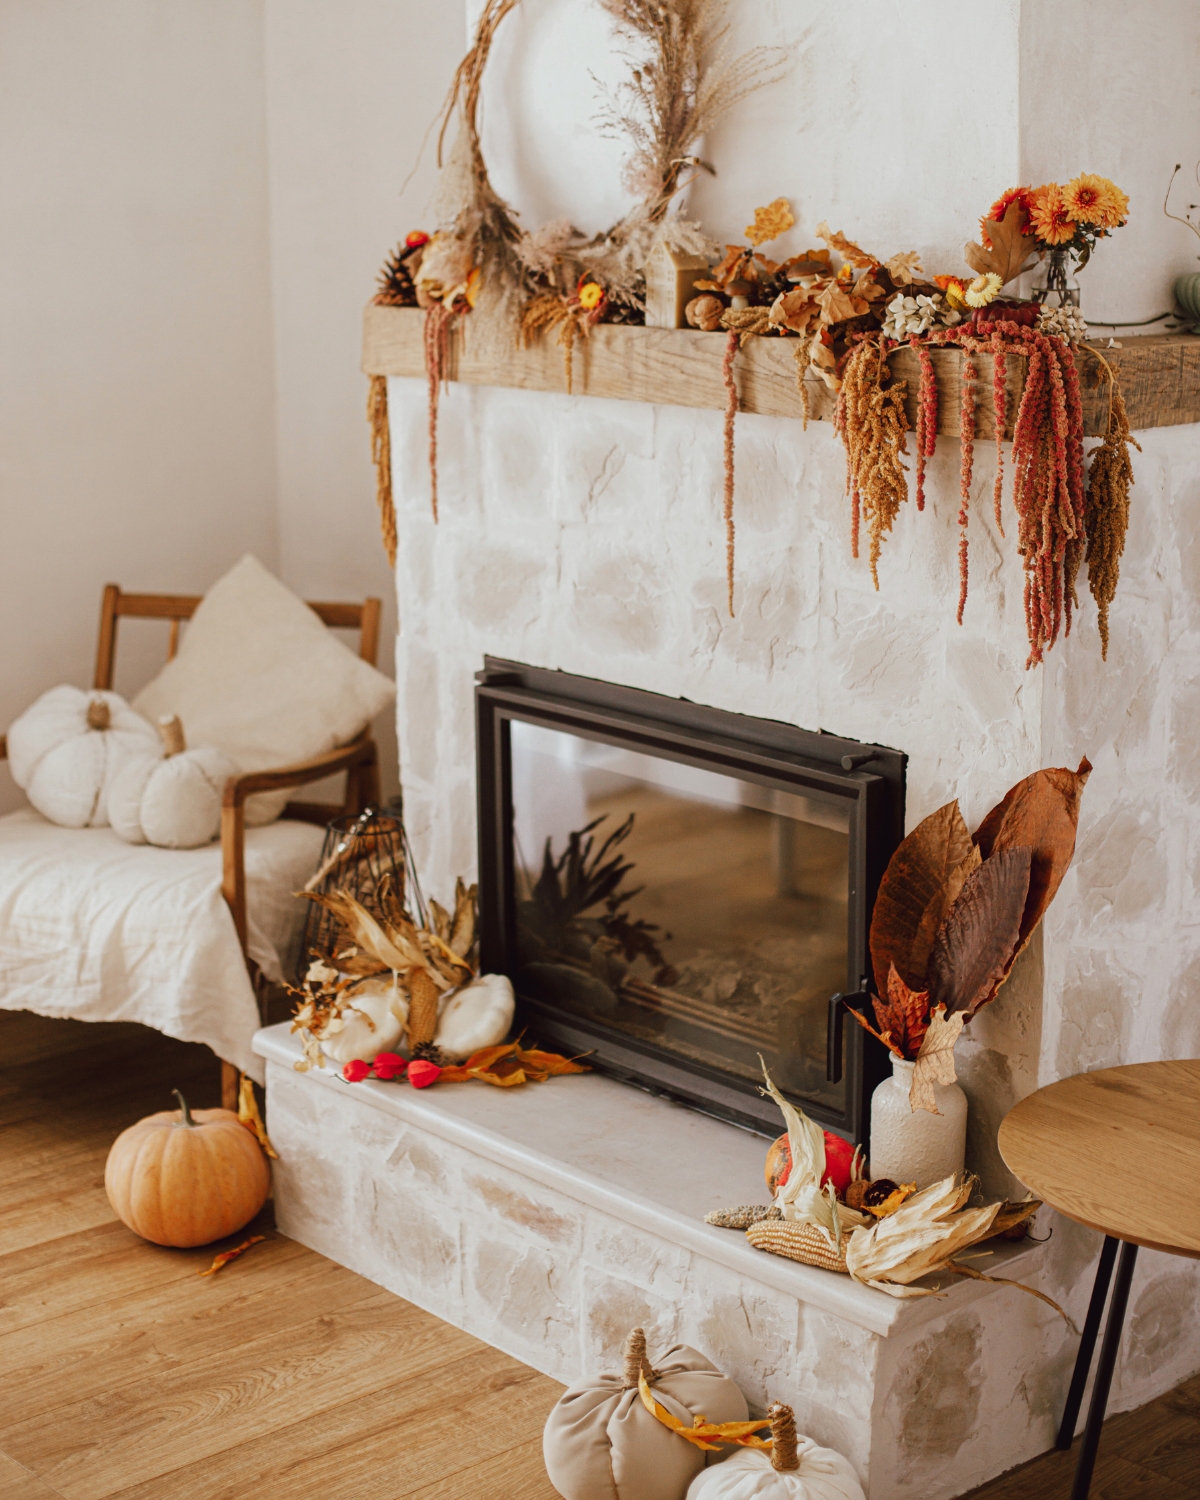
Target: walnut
<point>705,312</point>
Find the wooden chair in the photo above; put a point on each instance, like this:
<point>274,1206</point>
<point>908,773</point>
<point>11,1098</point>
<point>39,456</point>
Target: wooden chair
<point>358,759</point>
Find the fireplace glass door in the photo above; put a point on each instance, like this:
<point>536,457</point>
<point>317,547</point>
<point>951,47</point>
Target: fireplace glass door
<point>680,906</point>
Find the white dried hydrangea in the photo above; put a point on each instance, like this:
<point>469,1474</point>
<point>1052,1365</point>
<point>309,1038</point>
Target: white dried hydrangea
<point>1064,323</point>
<point>907,316</point>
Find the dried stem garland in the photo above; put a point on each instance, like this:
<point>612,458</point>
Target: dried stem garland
<point>1057,521</point>
<point>436,332</point>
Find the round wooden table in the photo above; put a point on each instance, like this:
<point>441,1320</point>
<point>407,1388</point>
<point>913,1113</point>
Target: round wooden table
<point>1119,1151</point>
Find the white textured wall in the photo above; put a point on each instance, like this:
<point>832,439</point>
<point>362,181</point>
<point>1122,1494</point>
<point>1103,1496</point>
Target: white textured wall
<point>136,417</point>
<point>351,87</point>
<point>586,534</point>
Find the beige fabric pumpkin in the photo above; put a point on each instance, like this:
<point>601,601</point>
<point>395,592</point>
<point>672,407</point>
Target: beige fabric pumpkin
<point>600,1442</point>
<point>171,800</point>
<point>372,1022</point>
<point>476,1016</point>
<point>64,751</point>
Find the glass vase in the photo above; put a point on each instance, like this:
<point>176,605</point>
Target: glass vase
<point>1055,286</point>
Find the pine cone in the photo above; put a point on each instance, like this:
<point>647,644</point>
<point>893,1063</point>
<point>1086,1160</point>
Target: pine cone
<point>430,1052</point>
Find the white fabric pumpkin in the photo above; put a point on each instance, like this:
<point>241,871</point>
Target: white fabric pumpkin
<point>476,1016</point>
<point>65,750</point>
<point>171,800</point>
<point>747,1474</point>
<point>373,1021</point>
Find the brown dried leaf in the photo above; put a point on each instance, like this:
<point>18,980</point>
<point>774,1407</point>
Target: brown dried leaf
<point>1041,812</point>
<point>847,249</point>
<point>222,1260</point>
<point>867,289</point>
<point>915,875</point>
<point>1011,251</point>
<point>935,1061</point>
<point>796,310</point>
<point>835,305</point>
<point>939,907</point>
<point>770,222</point>
<point>903,268</point>
<point>904,1014</point>
<point>248,1115</point>
<point>973,950</point>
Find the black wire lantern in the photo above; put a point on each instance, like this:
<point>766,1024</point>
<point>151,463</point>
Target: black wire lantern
<point>368,857</point>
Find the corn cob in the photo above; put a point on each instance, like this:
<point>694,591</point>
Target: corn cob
<point>797,1241</point>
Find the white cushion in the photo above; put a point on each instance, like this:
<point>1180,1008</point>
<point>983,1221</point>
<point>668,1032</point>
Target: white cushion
<point>259,677</point>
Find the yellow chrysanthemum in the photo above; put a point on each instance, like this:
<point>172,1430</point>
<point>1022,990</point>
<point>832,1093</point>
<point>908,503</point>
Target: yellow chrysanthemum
<point>1049,218</point>
<point>982,290</point>
<point>1095,200</point>
<point>591,295</point>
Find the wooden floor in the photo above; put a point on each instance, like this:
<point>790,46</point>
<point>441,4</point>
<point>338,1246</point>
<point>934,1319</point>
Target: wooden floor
<point>124,1374</point>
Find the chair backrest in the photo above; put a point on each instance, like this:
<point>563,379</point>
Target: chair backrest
<point>362,617</point>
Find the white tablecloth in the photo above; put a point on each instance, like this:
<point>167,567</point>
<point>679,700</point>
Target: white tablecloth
<point>101,930</point>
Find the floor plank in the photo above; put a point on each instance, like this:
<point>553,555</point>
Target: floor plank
<point>17,1483</point>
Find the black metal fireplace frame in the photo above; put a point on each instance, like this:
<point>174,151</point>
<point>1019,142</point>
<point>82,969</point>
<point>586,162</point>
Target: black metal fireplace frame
<point>869,778</point>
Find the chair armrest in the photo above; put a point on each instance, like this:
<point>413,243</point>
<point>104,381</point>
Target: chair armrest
<point>359,752</point>
<point>3,747</point>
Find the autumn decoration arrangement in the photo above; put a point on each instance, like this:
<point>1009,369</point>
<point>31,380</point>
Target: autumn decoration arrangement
<point>955,910</point>
<point>649,1432</point>
<point>848,310</point>
<point>394,1000</point>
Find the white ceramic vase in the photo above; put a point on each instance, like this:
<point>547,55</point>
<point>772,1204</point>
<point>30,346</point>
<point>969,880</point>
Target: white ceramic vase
<point>910,1145</point>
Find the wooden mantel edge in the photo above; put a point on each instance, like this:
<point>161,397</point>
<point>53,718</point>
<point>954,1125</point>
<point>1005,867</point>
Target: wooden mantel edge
<point>1160,374</point>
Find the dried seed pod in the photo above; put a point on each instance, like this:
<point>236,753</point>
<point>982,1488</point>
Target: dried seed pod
<point>743,1216</point>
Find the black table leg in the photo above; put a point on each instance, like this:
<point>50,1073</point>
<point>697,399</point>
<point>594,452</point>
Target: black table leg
<point>1104,1372</point>
<point>1087,1344</point>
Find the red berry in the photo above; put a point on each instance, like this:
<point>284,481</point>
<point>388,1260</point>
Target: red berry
<point>416,237</point>
<point>388,1065</point>
<point>421,1073</point>
<point>356,1070</point>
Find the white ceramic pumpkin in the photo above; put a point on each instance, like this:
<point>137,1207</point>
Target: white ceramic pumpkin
<point>372,1022</point>
<point>478,1015</point>
<point>750,1474</point>
<point>65,750</point>
<point>172,799</point>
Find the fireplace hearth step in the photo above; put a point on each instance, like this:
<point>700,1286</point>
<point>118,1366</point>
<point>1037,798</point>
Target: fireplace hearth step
<point>549,1220</point>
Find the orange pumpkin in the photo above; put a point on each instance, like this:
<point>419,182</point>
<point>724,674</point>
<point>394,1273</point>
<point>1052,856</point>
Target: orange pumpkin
<point>181,1179</point>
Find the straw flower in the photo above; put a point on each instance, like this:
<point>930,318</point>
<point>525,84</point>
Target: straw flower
<point>1095,200</point>
<point>591,295</point>
<point>954,288</point>
<point>982,290</point>
<point>1050,219</point>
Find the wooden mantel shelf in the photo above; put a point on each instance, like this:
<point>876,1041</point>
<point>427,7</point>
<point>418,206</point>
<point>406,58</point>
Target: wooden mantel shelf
<point>1160,374</point>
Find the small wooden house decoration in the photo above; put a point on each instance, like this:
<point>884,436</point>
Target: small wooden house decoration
<point>670,285</point>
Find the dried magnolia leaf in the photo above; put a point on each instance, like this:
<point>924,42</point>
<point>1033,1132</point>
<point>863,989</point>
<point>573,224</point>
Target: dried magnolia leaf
<point>1041,812</point>
<point>904,268</point>
<point>939,907</point>
<point>1011,251</point>
<point>770,222</point>
<point>847,249</point>
<point>935,1061</point>
<point>914,878</point>
<point>972,953</point>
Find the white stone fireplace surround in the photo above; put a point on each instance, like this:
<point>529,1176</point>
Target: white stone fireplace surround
<point>586,534</point>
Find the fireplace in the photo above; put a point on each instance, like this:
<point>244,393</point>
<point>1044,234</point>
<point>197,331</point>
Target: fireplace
<point>680,891</point>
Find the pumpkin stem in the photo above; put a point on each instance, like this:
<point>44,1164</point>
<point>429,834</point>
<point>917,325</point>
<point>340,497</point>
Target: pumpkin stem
<point>98,714</point>
<point>783,1436</point>
<point>636,1360</point>
<point>170,732</point>
<point>184,1110</point>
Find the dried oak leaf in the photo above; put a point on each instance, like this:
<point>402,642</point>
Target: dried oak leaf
<point>867,289</point>
<point>796,310</point>
<point>935,1061</point>
<point>1011,251</point>
<point>972,953</point>
<point>915,875</point>
<point>939,907</point>
<point>1041,812</point>
<point>770,222</point>
<point>836,306</point>
<point>904,268</point>
<point>847,249</point>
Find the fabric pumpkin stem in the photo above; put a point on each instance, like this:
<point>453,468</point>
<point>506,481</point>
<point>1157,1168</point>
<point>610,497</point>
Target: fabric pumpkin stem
<point>783,1438</point>
<point>381,457</point>
<point>636,1360</point>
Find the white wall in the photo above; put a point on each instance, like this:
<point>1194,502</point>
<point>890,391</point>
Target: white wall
<point>136,400</point>
<point>351,87</point>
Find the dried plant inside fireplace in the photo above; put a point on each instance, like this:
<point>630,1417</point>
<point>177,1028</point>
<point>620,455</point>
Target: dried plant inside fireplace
<point>680,891</point>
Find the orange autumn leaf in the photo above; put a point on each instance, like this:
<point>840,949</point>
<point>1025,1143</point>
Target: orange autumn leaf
<point>510,1064</point>
<point>227,1255</point>
<point>836,306</point>
<point>901,1017</point>
<point>770,222</point>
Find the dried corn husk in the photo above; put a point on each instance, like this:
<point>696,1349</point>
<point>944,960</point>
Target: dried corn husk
<point>919,1238</point>
<point>802,1242</point>
<point>801,1198</point>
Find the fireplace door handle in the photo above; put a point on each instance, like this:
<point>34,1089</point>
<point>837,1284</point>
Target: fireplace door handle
<point>838,1005</point>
